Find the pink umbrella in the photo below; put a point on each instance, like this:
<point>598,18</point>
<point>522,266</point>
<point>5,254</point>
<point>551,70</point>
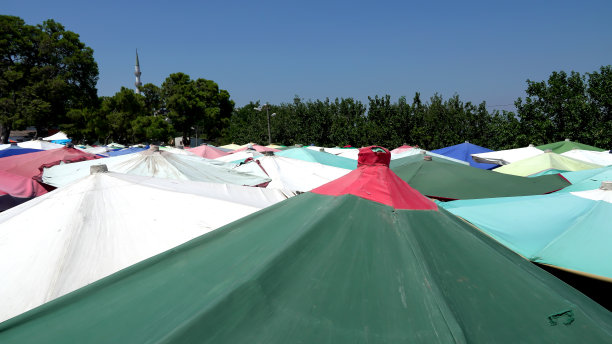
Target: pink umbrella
<point>208,152</point>
<point>401,149</point>
<point>32,165</point>
<point>16,189</point>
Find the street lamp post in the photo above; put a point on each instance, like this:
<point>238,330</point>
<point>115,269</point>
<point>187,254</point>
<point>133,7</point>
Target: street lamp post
<point>268,117</point>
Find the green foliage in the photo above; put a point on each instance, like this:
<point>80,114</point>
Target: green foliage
<point>151,129</point>
<point>120,111</point>
<point>570,106</point>
<point>44,72</point>
<point>197,104</point>
<point>154,103</point>
<point>566,106</point>
<point>435,124</point>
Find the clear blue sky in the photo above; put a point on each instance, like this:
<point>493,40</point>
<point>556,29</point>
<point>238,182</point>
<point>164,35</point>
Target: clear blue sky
<point>272,50</point>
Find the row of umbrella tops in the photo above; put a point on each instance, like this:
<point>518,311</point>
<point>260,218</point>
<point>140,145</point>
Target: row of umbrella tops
<point>362,258</point>
<point>287,169</point>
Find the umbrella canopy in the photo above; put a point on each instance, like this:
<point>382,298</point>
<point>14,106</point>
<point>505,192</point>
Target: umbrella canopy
<point>547,163</point>
<point>16,150</point>
<point>587,179</point>
<point>231,146</point>
<point>319,157</point>
<point>567,145</point>
<point>401,149</point>
<point>116,145</point>
<point>16,189</point>
<point>256,147</point>
<point>98,150</point>
<point>238,157</point>
<point>292,174</point>
<point>103,223</point>
<point>31,165</point>
<point>40,144</point>
<point>464,151</point>
<point>443,179</point>
<point>362,259</point>
<point>127,151</point>
<point>571,230</point>
<point>599,158</point>
<point>208,152</point>
<point>59,136</point>
<point>422,152</point>
<point>508,156</point>
<point>279,147</point>
<point>160,164</point>
<point>175,150</point>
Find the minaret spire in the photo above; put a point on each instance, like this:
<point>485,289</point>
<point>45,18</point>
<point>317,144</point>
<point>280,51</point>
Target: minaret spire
<point>137,74</point>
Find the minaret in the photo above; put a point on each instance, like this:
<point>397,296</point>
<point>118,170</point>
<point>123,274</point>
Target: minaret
<point>137,73</point>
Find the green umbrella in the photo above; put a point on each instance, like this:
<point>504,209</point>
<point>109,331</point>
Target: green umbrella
<point>362,259</point>
<point>567,145</point>
<point>444,179</point>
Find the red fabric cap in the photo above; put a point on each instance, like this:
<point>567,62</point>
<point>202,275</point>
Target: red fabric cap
<point>373,155</point>
<point>373,180</point>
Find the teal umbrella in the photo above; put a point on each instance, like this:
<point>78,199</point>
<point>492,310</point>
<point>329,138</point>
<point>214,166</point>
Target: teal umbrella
<point>570,230</point>
<point>306,154</point>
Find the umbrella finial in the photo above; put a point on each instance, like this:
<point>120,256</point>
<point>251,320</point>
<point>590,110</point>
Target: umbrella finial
<point>373,155</point>
<point>154,148</point>
<point>98,169</point>
<point>607,185</point>
<point>427,158</point>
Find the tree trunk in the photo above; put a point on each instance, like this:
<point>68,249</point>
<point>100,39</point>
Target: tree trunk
<point>5,131</point>
<point>185,139</point>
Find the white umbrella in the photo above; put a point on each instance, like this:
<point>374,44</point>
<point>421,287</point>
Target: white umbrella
<point>599,158</point>
<point>160,164</point>
<point>293,174</point>
<point>103,223</point>
<point>508,156</point>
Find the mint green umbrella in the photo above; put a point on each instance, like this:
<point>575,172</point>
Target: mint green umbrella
<point>570,230</point>
<point>567,145</point>
<point>306,154</point>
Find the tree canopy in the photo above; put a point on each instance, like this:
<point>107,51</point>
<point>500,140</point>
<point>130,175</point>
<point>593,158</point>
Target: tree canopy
<point>45,70</point>
<point>571,106</point>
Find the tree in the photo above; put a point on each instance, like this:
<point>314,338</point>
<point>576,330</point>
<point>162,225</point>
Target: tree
<point>154,103</point>
<point>151,129</point>
<point>45,71</point>
<point>196,104</point>
<point>87,125</point>
<point>600,96</point>
<point>120,111</point>
<point>570,106</point>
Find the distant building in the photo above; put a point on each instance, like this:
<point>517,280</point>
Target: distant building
<point>137,74</point>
